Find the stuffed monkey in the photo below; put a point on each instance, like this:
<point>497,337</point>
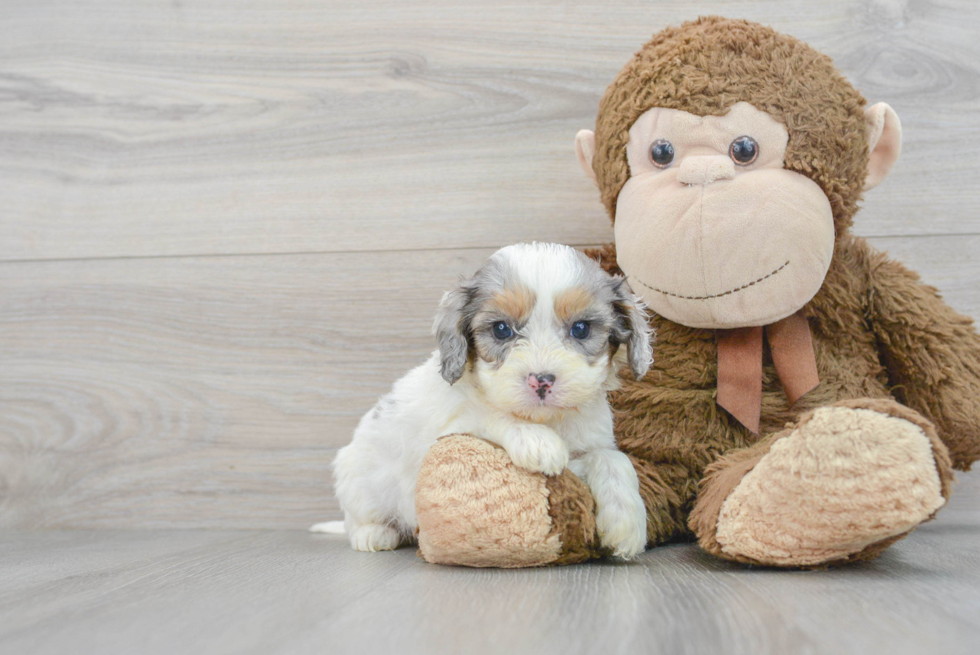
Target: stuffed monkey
<point>810,398</point>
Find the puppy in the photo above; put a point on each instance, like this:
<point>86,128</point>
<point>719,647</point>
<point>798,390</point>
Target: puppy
<point>528,348</point>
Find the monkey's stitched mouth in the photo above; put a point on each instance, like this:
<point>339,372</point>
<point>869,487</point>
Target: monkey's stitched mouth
<point>716,295</point>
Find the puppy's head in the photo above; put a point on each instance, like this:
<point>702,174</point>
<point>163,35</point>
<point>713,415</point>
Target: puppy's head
<point>540,327</point>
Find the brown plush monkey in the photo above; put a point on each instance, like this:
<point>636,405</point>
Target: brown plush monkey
<point>809,397</point>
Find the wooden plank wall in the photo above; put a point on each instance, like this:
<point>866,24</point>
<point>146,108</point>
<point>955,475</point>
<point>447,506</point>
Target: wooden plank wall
<point>224,225</point>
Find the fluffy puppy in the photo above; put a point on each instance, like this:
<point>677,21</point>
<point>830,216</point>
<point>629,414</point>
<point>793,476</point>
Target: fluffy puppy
<point>528,348</point>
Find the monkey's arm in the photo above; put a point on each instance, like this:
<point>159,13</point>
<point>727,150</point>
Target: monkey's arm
<point>932,355</point>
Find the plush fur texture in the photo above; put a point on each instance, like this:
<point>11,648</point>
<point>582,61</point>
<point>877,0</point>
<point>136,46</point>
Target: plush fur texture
<point>495,515</point>
<point>706,66</point>
<point>853,522</point>
<point>671,426</point>
<point>803,503</point>
<point>476,508</point>
<point>884,343</point>
<point>710,243</point>
<point>879,335</point>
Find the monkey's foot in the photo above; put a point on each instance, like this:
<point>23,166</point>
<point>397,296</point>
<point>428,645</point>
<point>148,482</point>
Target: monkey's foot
<point>476,508</point>
<point>846,482</point>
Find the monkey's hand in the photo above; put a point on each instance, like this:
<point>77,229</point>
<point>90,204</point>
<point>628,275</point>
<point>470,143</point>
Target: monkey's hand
<point>931,353</point>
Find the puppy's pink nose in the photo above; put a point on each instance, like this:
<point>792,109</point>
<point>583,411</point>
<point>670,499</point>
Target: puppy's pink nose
<point>540,383</point>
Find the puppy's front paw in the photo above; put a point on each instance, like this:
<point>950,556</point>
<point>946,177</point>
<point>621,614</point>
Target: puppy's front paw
<point>537,448</point>
<point>623,528</point>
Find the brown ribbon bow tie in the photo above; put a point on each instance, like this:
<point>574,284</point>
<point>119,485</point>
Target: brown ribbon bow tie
<point>740,365</point>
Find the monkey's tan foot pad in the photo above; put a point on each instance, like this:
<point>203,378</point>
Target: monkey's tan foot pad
<point>476,508</point>
<point>843,485</point>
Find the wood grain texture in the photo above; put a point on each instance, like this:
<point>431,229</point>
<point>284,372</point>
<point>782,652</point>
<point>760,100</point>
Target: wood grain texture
<point>214,391</point>
<point>199,391</point>
<point>216,127</point>
<point>214,592</point>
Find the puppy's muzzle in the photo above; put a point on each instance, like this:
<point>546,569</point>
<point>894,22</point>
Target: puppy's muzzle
<point>541,383</point>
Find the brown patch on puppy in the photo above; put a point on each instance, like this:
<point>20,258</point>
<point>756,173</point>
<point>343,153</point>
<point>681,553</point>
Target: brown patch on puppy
<point>571,302</point>
<point>515,301</point>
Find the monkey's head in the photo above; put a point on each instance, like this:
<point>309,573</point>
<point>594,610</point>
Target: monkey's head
<point>729,158</point>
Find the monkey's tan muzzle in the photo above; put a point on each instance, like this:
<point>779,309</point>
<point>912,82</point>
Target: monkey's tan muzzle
<point>705,169</point>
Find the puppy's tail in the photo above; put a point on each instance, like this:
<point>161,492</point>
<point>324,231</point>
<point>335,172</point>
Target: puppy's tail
<point>329,527</point>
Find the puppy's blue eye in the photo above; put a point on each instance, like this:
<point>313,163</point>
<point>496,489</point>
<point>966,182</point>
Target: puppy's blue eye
<point>580,330</point>
<point>502,331</point>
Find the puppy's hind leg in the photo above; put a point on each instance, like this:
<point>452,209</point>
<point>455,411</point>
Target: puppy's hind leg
<point>369,525</point>
<point>372,537</point>
<point>367,490</point>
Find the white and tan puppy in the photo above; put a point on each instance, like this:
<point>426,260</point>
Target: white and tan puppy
<point>528,348</point>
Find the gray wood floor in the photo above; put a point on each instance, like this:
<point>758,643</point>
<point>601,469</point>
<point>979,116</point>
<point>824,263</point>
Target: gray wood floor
<point>237,591</point>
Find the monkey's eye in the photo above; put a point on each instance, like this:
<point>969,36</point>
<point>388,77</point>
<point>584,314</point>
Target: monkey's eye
<point>662,153</point>
<point>580,330</point>
<point>502,331</point>
<point>744,150</point>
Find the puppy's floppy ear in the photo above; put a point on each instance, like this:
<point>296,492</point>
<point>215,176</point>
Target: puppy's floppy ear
<point>632,328</point>
<point>452,329</point>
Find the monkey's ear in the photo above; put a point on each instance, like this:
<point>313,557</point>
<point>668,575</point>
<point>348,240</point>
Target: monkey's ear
<point>884,142</point>
<point>585,150</point>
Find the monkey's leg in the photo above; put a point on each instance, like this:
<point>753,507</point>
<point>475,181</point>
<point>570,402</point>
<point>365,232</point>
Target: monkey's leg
<point>842,485</point>
<point>475,507</point>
